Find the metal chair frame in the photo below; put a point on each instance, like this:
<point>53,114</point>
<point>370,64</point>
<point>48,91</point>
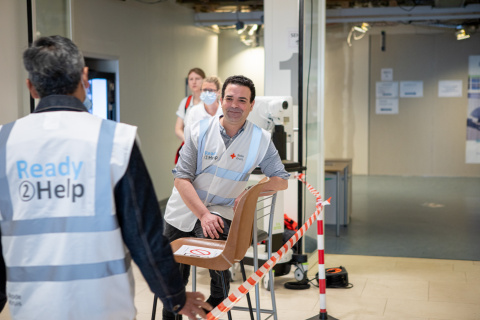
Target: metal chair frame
<point>257,308</point>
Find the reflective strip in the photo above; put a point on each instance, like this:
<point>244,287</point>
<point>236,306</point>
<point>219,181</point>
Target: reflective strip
<point>58,225</point>
<point>253,149</point>
<point>214,199</point>
<point>103,187</point>
<point>201,144</point>
<point>227,174</point>
<point>69,272</point>
<point>5,200</point>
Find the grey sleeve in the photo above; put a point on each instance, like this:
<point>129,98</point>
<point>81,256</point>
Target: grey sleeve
<point>187,162</point>
<point>272,165</point>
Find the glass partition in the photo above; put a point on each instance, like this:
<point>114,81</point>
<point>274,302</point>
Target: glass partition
<point>52,17</point>
<point>312,115</point>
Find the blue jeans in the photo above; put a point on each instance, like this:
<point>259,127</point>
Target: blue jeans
<point>216,288</point>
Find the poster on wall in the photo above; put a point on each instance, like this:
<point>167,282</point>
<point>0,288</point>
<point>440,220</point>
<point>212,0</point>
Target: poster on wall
<point>411,89</point>
<point>386,89</point>
<point>473,113</point>
<point>387,74</point>
<point>386,106</point>
<point>450,88</point>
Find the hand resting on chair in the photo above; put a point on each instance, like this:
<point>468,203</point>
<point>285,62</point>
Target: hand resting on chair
<point>194,306</point>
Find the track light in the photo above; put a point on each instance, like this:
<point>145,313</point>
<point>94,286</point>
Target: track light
<point>253,29</point>
<point>360,30</point>
<point>240,26</point>
<point>462,34</point>
<point>363,28</point>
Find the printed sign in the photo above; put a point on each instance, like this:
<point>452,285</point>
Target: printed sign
<point>387,74</point>
<point>449,88</point>
<point>411,89</point>
<point>194,251</point>
<point>386,89</point>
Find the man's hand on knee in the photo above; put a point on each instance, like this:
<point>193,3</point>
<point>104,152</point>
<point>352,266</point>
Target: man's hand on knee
<point>212,225</point>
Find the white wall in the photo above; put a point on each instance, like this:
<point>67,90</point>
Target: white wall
<point>14,40</point>
<point>156,45</point>
<point>235,58</point>
<point>346,98</point>
<point>347,91</point>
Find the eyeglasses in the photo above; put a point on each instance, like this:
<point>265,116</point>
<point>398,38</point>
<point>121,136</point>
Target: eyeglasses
<point>209,90</point>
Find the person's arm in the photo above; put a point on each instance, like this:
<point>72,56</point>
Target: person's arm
<point>180,123</point>
<point>272,167</point>
<point>142,230</point>
<point>273,185</point>
<point>179,129</point>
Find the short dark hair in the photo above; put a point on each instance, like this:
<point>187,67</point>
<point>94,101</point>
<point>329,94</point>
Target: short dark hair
<point>54,65</point>
<point>198,71</point>
<point>242,81</point>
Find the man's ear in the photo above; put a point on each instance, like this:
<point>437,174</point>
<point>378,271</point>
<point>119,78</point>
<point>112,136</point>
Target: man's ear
<point>86,84</point>
<point>32,90</point>
<point>253,102</point>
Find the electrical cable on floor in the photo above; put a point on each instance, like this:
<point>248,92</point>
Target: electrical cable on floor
<point>335,284</point>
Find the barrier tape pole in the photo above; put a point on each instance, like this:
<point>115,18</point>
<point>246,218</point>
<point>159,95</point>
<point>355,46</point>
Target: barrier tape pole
<point>322,284</point>
<point>245,287</point>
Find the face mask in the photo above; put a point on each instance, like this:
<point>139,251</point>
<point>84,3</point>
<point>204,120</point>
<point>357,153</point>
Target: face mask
<point>208,97</point>
<point>87,102</point>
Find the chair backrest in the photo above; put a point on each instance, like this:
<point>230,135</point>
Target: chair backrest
<point>240,234</point>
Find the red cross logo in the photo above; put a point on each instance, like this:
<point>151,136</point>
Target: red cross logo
<point>233,155</point>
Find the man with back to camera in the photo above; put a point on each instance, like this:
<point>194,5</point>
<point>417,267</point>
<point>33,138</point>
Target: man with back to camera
<point>77,204</point>
<point>214,165</point>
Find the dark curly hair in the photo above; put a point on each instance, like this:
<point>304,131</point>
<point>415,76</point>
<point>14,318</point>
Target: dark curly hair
<point>242,81</point>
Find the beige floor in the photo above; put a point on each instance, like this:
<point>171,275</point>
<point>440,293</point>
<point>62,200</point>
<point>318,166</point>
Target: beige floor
<point>384,288</point>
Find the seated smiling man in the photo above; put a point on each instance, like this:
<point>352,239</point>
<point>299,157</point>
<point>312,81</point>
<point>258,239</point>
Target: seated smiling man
<point>212,172</point>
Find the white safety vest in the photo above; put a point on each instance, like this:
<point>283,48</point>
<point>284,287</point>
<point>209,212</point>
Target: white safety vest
<point>62,244</point>
<point>197,113</point>
<point>221,174</point>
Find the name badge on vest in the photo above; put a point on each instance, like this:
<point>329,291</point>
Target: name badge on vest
<point>210,155</point>
<point>237,156</point>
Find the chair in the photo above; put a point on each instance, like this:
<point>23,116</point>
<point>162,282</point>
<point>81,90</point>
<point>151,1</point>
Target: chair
<point>234,248</point>
<point>266,208</point>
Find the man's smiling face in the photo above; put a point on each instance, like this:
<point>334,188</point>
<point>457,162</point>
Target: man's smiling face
<point>236,104</point>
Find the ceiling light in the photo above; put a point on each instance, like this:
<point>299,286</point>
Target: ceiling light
<point>361,31</point>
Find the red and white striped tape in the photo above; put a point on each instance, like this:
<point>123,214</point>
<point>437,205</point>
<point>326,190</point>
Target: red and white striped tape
<point>242,290</point>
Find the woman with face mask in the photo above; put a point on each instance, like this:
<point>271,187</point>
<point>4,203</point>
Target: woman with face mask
<point>210,102</point>
<point>195,80</point>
